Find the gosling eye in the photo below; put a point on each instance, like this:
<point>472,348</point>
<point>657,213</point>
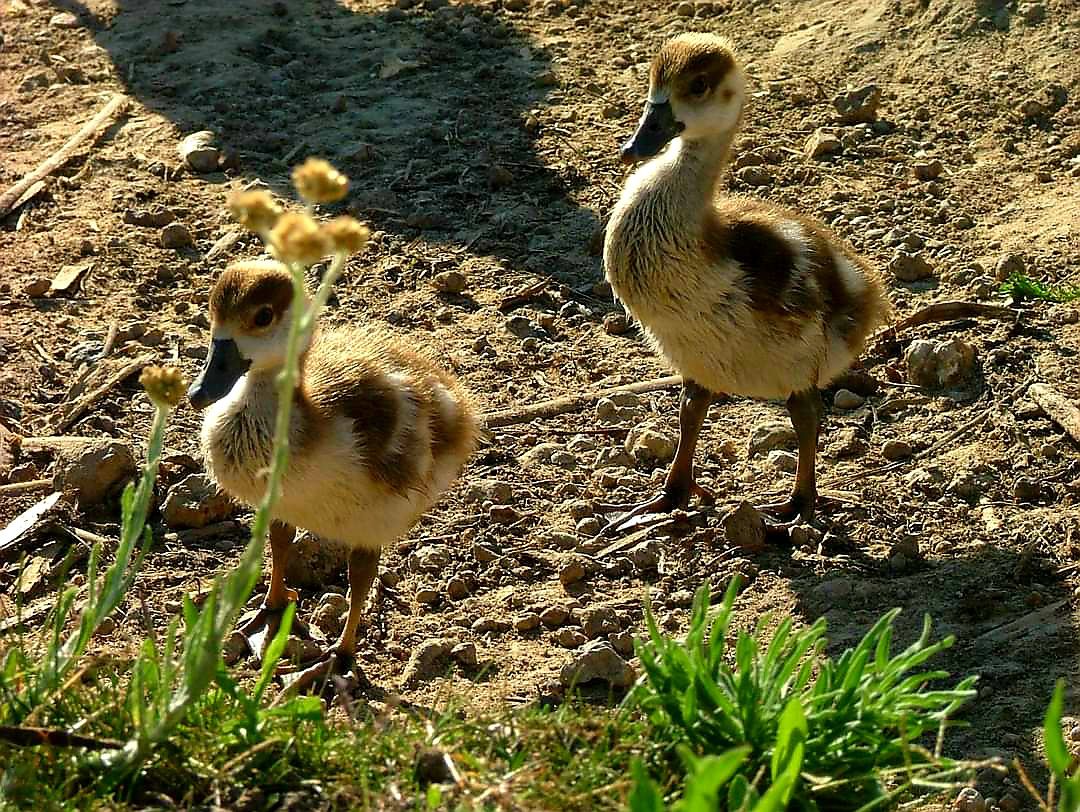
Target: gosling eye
<point>699,86</point>
<point>264,316</point>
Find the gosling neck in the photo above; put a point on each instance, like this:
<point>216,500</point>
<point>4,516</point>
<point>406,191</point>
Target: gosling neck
<point>696,166</point>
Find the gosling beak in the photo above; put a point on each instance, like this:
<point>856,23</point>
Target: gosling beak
<point>224,366</point>
<point>656,128</point>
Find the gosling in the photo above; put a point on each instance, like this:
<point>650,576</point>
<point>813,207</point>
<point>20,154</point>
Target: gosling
<point>377,434</point>
<point>740,296</point>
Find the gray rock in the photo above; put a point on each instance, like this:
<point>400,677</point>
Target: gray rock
<point>648,444</point>
<point>198,152</point>
<point>64,19</point>
<point>555,616</point>
<point>622,642</point>
<point>1026,489</point>
<point>645,556</point>
<point>598,660</point>
<point>783,461</point>
<point>452,282</point>
<point>571,573</point>
<point>894,450</point>
<point>744,527</point>
<point>938,365</point>
<point>755,176</point>
<point>315,561</point>
<point>1008,265</point>
<point>928,170</point>
<point>485,625</point>
<point>465,654</point>
<point>907,267</point>
<point>175,236</point>
<point>424,659</point>
<point>847,400</point>
<point>570,638</point>
<point>767,436</point>
<point>430,559</point>
<point>196,501</point>
<point>89,466</point>
<point>822,144</point>
<point>599,622</point>
<point>858,105</point>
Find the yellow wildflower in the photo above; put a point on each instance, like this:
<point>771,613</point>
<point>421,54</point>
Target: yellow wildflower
<point>346,235</point>
<point>165,385</point>
<point>318,182</point>
<point>256,211</point>
<point>296,238</point>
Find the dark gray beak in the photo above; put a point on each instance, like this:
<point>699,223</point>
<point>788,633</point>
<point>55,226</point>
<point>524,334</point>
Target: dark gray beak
<point>224,366</point>
<point>656,128</point>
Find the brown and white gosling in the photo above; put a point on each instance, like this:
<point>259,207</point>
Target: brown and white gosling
<point>378,433</point>
<point>741,297</point>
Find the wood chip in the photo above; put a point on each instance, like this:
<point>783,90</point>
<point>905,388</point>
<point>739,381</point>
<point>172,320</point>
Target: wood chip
<point>26,522</point>
<point>66,282</point>
<point>1060,409</point>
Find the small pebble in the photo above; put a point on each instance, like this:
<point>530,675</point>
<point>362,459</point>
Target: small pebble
<point>570,638</point>
<point>894,450</point>
<point>571,573</point>
<point>427,596</point>
<point>527,622</point>
<point>846,399</point>
<point>465,654</point>
<point>452,282</point>
<point>554,616</point>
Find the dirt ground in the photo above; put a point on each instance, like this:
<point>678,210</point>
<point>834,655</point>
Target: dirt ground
<point>484,138</point>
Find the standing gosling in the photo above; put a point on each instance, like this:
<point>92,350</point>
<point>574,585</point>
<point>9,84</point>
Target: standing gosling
<point>742,297</point>
<point>378,433</point>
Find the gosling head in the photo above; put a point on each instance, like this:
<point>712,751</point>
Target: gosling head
<point>249,320</point>
<point>696,90</point>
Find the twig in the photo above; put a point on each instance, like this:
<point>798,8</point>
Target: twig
<point>34,736</point>
<point>24,487</point>
<point>572,403</point>
<point>61,156</point>
<point>946,311</point>
<point>81,406</point>
<point>525,295</point>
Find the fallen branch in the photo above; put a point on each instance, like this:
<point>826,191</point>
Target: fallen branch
<point>1058,407</point>
<point>34,736</point>
<point>61,156</point>
<point>69,416</point>
<point>572,403</point>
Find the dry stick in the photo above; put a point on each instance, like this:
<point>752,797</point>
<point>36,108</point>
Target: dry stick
<point>26,487</point>
<point>572,403</point>
<point>61,156</point>
<point>81,406</point>
<point>948,311</point>
<point>33,736</point>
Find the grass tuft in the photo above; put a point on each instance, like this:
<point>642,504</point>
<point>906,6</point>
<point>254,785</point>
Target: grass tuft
<point>1022,288</point>
<point>812,731</point>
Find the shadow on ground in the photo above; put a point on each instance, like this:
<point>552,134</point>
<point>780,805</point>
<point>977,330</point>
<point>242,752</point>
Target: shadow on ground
<point>426,110</point>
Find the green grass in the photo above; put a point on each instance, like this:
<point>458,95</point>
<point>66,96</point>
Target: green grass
<point>848,733</point>
<point>1021,288</point>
